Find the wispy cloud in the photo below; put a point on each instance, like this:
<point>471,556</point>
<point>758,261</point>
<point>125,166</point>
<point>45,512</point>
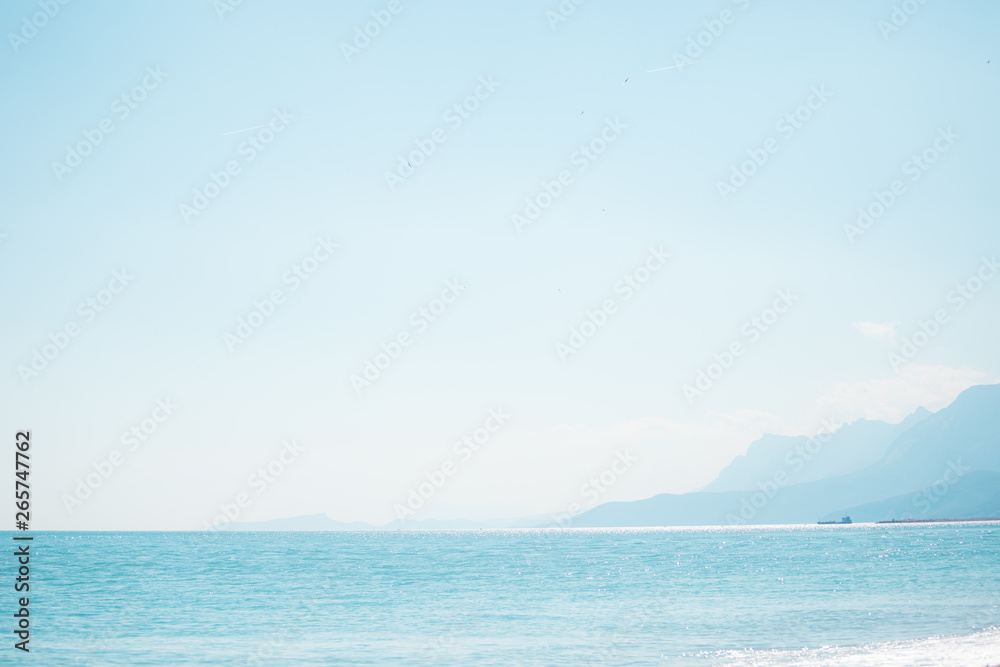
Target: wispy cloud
<point>882,332</point>
<point>893,398</point>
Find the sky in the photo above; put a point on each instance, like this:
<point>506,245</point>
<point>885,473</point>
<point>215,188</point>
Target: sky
<point>509,206</point>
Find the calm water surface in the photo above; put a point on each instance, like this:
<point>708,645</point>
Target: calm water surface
<point>678,596</point>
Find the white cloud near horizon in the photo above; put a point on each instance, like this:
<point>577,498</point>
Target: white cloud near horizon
<point>891,399</point>
<point>882,332</point>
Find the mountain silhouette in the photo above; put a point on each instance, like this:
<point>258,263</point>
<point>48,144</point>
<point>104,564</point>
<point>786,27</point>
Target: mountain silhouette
<point>931,449</point>
<point>852,447</point>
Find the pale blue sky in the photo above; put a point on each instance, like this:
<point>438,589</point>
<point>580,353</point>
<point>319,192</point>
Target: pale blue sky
<point>324,175</point>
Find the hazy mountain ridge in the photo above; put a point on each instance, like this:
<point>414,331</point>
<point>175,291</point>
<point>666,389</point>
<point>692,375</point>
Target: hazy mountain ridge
<point>847,449</point>
<point>965,435</point>
<point>968,428</point>
<point>973,495</point>
<point>323,523</point>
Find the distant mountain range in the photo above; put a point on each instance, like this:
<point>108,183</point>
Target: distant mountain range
<point>976,494</point>
<point>930,465</point>
<point>321,522</point>
<point>929,453</point>
<point>837,451</point>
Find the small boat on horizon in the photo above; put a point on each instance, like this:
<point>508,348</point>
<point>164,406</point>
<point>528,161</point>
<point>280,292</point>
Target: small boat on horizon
<point>846,519</point>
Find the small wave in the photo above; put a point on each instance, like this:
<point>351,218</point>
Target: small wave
<point>976,649</point>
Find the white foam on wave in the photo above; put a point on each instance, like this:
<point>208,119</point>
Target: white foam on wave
<point>975,650</point>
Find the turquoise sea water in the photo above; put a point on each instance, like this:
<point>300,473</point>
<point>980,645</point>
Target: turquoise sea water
<point>676,596</point>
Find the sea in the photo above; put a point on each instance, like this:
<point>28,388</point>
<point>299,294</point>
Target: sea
<point>861,594</point>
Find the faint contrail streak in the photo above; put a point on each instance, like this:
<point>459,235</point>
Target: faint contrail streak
<point>260,126</point>
<point>245,130</point>
<point>672,67</point>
